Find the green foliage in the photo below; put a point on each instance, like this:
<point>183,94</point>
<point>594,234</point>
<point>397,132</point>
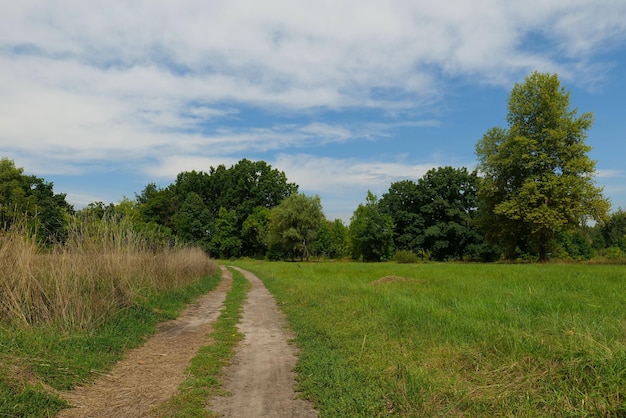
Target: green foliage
<point>575,245</point>
<point>225,241</point>
<point>371,232</point>
<point>448,208</point>
<point>157,205</point>
<point>405,257</point>
<point>33,199</point>
<point>479,340</point>
<point>613,254</point>
<point>435,214</point>
<point>293,226</point>
<point>332,240</point>
<point>192,221</point>
<point>254,232</point>
<point>403,202</point>
<point>614,230</point>
<point>128,213</point>
<point>537,177</point>
<point>190,206</point>
<point>253,184</point>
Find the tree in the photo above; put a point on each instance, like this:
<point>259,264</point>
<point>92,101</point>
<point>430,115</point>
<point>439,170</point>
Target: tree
<point>436,214</point>
<point>371,232</point>
<point>193,221</point>
<point>448,208</point>
<point>332,239</point>
<point>225,241</point>
<point>252,184</point>
<point>254,232</point>
<point>32,199</point>
<point>242,188</point>
<point>614,230</point>
<point>157,205</point>
<point>294,224</point>
<point>403,203</point>
<point>537,179</point>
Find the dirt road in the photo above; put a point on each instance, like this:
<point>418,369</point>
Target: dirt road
<point>261,379</point>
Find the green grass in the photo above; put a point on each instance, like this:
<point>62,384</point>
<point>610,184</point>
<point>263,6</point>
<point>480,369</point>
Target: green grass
<point>36,361</point>
<point>203,374</point>
<point>456,339</point>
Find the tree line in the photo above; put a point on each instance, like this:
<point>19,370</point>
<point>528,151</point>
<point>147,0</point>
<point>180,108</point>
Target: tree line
<point>531,196</point>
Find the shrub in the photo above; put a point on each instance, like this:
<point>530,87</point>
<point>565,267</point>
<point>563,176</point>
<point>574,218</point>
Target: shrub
<point>405,256</point>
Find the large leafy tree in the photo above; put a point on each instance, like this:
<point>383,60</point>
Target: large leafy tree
<point>192,222</point>
<point>448,208</point>
<point>332,239</point>
<point>252,184</point>
<point>403,203</point>
<point>436,213</point>
<point>371,232</point>
<point>32,199</point>
<point>243,189</point>
<point>293,226</point>
<point>537,177</point>
<point>225,240</point>
<point>157,205</point>
<point>254,232</point>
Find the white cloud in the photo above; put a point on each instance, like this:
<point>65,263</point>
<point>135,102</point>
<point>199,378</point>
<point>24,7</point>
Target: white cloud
<point>295,54</point>
<point>170,166</point>
<point>609,173</point>
<point>336,175</point>
<point>85,84</point>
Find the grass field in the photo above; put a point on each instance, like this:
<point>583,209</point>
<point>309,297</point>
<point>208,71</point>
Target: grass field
<point>456,339</point>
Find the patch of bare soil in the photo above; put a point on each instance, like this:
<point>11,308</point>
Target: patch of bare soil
<point>261,379</point>
<point>388,279</point>
<point>152,373</point>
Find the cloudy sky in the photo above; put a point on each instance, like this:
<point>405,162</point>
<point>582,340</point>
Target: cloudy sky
<point>104,97</point>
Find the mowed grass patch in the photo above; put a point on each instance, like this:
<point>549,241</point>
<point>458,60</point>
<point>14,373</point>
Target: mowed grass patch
<point>456,339</point>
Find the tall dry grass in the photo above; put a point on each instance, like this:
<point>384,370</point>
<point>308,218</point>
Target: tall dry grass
<point>101,268</point>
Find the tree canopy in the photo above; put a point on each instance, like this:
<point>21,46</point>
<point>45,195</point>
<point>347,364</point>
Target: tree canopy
<point>222,210</point>
<point>371,232</point>
<point>537,178</point>
<point>293,226</point>
<point>436,214</point>
<point>31,199</point>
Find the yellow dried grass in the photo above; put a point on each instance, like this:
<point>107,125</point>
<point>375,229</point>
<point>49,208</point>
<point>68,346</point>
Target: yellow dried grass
<point>102,267</point>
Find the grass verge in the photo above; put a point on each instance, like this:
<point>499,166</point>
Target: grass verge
<point>456,339</point>
<point>37,361</point>
<point>203,374</point>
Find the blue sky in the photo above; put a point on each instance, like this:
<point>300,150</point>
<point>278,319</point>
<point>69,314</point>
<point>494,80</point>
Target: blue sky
<point>102,98</point>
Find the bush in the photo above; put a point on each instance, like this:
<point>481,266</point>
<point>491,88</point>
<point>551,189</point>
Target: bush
<point>405,257</point>
<point>575,245</point>
<point>612,253</point>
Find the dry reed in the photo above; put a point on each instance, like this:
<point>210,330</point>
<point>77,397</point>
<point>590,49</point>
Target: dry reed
<point>102,267</point>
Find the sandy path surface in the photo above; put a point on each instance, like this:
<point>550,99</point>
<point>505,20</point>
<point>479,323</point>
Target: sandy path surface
<point>261,378</point>
<point>152,373</point>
